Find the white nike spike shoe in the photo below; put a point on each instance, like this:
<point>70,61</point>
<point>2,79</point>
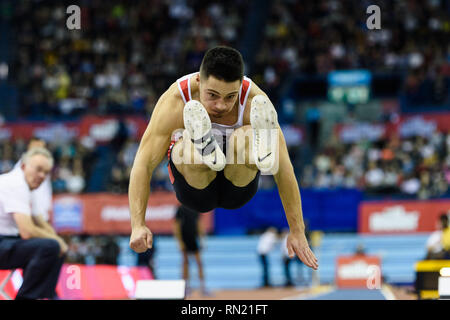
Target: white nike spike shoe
<point>198,125</point>
<point>264,122</point>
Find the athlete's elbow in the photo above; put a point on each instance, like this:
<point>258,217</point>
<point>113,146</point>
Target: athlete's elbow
<point>140,170</point>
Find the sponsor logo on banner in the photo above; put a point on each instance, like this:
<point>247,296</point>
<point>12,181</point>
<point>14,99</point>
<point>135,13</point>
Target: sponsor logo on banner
<point>357,271</point>
<point>68,214</point>
<point>391,217</point>
<point>417,126</point>
<point>360,131</point>
<point>104,131</point>
<point>122,213</point>
<point>49,131</point>
<point>56,133</point>
<point>405,126</point>
<point>394,219</point>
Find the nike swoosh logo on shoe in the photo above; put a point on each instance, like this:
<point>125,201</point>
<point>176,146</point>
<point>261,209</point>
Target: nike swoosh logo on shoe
<point>262,159</point>
<point>215,158</point>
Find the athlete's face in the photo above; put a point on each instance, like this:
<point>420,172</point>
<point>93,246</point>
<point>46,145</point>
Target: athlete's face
<point>36,170</point>
<point>218,96</point>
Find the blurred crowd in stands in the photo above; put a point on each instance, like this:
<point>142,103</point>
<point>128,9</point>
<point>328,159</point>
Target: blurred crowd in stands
<point>72,162</point>
<point>92,249</point>
<point>314,38</point>
<point>128,52</point>
<point>120,173</point>
<point>417,167</point>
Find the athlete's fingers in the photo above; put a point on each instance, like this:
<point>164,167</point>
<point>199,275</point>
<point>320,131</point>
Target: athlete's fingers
<point>312,258</point>
<point>139,245</point>
<point>304,258</point>
<point>136,245</point>
<point>307,260</point>
<point>290,250</point>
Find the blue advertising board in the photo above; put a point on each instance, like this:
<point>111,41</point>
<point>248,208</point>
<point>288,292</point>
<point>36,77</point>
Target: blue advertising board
<point>326,210</point>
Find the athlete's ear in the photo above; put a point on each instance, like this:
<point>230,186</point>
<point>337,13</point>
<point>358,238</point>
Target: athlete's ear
<point>197,78</point>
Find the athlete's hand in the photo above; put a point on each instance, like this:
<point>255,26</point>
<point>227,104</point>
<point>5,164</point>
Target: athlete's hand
<point>298,245</point>
<point>141,239</point>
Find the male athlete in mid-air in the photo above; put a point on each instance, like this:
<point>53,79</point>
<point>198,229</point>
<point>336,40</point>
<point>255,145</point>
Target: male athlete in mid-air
<point>229,135</point>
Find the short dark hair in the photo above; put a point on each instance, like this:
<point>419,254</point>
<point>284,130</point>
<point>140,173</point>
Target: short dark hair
<point>223,63</point>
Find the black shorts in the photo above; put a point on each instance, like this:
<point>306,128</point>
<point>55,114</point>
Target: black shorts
<point>220,193</point>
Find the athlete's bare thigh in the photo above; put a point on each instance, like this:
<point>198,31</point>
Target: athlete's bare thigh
<point>196,174</point>
<point>240,168</point>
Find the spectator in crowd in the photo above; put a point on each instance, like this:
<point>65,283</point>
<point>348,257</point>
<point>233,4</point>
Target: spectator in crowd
<point>446,239</point>
<point>6,164</point>
<point>360,251</point>
<point>266,244</point>
<point>374,177</point>
<point>434,245</point>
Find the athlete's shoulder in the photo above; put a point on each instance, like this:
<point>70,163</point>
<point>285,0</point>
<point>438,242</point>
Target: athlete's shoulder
<point>255,90</point>
<point>173,93</point>
<point>171,100</point>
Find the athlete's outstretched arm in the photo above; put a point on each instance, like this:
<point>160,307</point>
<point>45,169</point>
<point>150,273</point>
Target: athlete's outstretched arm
<point>151,151</point>
<point>290,197</point>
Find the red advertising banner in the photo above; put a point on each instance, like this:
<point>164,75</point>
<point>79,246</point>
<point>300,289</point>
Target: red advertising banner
<point>350,133</point>
<point>406,126</point>
<point>391,217</point>
<point>81,282</point>
<point>358,272</point>
<point>103,129</point>
<point>100,129</point>
<point>53,132</point>
<point>424,124</point>
<point>104,213</point>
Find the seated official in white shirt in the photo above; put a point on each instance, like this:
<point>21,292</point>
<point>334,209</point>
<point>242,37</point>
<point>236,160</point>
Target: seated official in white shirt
<point>23,243</point>
<point>42,196</point>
